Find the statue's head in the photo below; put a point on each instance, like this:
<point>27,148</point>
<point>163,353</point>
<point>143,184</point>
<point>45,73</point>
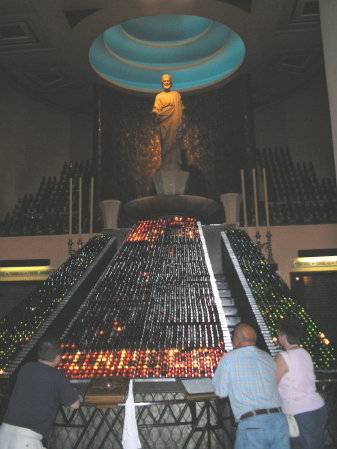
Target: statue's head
<point>166,82</point>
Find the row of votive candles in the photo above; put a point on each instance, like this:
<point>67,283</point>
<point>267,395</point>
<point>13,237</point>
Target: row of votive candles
<point>171,362</point>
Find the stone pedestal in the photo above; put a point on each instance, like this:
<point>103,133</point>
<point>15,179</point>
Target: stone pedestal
<point>170,205</point>
<point>110,210</point>
<point>231,203</point>
<point>170,182</point>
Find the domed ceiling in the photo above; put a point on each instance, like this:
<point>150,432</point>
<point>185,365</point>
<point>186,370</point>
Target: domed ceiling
<point>45,46</point>
<point>197,52</point>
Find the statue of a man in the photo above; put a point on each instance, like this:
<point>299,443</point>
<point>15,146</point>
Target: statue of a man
<point>168,108</point>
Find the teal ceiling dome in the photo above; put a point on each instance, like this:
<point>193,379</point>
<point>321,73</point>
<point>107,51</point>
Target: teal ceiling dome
<point>197,52</point>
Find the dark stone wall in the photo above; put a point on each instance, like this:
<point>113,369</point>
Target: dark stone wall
<point>217,141</point>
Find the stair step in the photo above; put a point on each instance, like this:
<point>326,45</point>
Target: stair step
<point>230,311</point>
<point>225,293</point>
<point>233,321</point>
<point>220,277</point>
<point>222,285</point>
<point>228,301</point>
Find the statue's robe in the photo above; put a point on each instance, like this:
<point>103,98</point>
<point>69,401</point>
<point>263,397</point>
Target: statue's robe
<point>169,109</point>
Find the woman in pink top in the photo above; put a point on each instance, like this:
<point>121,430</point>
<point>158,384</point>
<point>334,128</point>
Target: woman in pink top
<point>296,384</point>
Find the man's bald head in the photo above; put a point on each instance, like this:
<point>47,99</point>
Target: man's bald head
<point>244,335</point>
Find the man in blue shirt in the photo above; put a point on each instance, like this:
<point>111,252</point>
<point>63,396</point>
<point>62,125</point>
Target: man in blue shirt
<point>39,390</point>
<point>247,376</point>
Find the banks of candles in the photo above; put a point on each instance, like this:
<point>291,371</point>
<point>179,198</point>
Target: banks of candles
<point>153,313</point>
<point>147,363</point>
<point>274,299</point>
<point>20,325</point>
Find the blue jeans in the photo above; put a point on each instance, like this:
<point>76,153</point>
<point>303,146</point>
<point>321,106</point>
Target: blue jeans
<point>312,425</point>
<point>263,432</point>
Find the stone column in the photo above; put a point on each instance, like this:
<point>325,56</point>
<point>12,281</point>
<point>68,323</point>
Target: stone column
<point>328,15</point>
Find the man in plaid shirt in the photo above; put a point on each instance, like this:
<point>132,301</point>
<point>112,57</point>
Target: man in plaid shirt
<point>247,377</point>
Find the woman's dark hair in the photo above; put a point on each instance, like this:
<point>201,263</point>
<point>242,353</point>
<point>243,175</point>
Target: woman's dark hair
<point>292,329</point>
<point>48,348</point>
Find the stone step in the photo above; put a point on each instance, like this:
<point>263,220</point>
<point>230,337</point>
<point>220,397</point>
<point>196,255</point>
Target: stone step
<point>220,277</point>
<point>225,293</point>
<point>230,311</point>
<point>233,321</point>
<point>228,301</point>
<point>222,285</point>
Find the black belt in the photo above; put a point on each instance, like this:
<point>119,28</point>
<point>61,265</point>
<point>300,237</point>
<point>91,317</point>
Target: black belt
<point>262,411</point>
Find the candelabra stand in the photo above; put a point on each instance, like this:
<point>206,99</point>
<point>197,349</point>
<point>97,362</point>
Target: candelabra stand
<point>258,240</point>
<point>270,258</point>
<point>266,245</point>
<point>79,243</point>
<point>70,247</point>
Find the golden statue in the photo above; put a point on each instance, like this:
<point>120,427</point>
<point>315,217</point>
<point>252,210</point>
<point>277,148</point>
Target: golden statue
<point>168,108</point>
